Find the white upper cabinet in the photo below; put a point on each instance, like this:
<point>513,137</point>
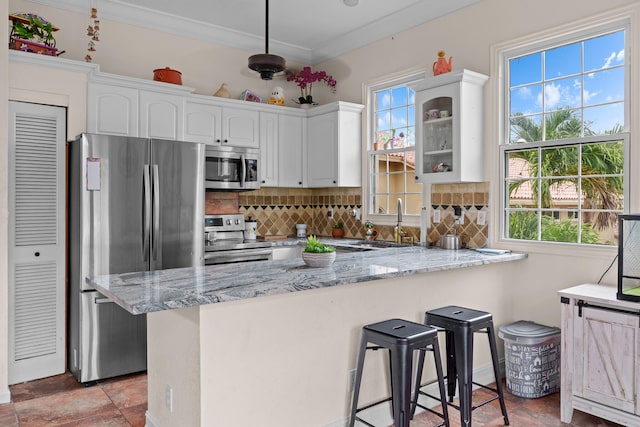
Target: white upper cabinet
<point>281,149</point>
<point>449,128</point>
<point>268,149</point>
<point>161,115</point>
<point>291,151</point>
<point>334,145</point>
<point>240,127</point>
<point>125,106</point>
<point>320,147</point>
<point>112,109</point>
<point>202,123</point>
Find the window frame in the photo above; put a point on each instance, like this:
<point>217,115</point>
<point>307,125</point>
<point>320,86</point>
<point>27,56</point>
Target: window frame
<point>621,19</point>
<point>369,89</point>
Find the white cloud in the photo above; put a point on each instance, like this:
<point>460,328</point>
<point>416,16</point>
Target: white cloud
<point>614,57</point>
<point>524,92</point>
<point>610,58</point>
<point>551,96</point>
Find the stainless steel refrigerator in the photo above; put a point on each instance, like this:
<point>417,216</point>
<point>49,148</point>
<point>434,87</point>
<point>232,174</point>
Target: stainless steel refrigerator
<point>135,204</point>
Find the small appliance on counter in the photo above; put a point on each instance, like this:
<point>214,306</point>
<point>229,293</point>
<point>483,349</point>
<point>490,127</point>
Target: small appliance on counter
<point>250,228</point>
<point>301,231</point>
<point>629,257</point>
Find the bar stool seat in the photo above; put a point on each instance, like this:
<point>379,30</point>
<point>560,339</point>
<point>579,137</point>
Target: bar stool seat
<point>401,338</point>
<point>460,324</point>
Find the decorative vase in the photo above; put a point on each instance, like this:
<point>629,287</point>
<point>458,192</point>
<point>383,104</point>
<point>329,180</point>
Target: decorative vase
<point>314,259</point>
<point>337,232</point>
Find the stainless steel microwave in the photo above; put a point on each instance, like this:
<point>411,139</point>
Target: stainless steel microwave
<point>232,168</point>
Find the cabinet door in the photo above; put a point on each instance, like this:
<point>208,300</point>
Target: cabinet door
<point>606,357</point>
<point>240,127</point>
<point>112,110</point>
<point>161,115</point>
<point>269,149</point>
<point>290,151</point>
<point>449,149</point>
<point>202,123</point>
<point>322,150</point>
<point>36,241</point>
<point>438,139</point>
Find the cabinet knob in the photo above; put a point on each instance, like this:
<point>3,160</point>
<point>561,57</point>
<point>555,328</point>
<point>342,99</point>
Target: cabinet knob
<point>299,182</point>
<point>226,140</point>
<point>415,177</point>
<point>217,140</point>
<point>263,181</point>
<point>334,181</point>
<point>37,254</point>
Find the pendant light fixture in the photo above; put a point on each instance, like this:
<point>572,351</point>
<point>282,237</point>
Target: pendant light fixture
<point>264,63</point>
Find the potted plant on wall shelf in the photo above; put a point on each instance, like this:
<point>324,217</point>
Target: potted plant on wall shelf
<point>32,33</point>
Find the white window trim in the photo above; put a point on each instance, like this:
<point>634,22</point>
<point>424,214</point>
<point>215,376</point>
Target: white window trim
<point>406,76</point>
<point>626,17</point>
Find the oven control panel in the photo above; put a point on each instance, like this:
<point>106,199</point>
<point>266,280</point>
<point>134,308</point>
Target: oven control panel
<point>224,222</point>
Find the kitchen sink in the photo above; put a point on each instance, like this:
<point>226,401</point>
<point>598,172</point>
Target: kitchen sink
<point>364,246</point>
<point>349,249</point>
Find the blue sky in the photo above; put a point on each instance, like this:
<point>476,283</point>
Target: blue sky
<point>557,79</point>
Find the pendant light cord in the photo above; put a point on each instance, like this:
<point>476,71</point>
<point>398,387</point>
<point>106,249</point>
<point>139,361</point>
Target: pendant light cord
<point>266,28</point>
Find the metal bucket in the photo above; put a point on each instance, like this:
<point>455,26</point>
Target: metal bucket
<point>450,241</point>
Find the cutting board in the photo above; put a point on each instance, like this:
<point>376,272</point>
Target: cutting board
<point>273,237</point>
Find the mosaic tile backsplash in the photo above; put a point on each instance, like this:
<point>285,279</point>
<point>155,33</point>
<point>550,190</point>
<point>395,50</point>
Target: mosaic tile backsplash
<point>278,210</point>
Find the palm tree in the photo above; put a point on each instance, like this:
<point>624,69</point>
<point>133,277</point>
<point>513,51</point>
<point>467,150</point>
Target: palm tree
<point>602,192</point>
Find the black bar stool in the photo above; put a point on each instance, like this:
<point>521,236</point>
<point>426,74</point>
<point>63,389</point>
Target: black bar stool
<point>401,338</point>
<point>460,324</point>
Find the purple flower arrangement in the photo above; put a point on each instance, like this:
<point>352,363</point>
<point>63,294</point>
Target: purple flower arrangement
<point>305,78</point>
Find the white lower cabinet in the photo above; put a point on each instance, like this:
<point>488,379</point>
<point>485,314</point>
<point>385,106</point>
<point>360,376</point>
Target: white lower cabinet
<point>600,347</point>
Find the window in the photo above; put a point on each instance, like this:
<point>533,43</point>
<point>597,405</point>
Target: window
<point>564,151</point>
<point>391,150</point>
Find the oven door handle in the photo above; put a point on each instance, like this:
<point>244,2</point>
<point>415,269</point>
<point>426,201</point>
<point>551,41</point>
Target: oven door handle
<point>228,257</point>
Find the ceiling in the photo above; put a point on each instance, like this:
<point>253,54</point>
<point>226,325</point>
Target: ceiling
<point>306,31</point>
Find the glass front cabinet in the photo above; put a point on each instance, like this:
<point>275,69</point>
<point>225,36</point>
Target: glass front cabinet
<point>449,128</point>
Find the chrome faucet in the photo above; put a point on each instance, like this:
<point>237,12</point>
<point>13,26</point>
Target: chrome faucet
<point>400,233</point>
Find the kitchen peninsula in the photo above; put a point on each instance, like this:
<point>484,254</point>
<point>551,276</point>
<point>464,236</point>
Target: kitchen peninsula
<point>272,355</point>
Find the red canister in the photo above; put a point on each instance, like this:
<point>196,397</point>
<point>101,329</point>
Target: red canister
<point>167,75</point>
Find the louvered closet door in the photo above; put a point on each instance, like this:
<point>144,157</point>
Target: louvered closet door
<point>36,241</point>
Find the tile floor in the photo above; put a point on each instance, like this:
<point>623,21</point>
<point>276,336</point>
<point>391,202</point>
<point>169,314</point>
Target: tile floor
<point>62,401</point>
<point>122,402</point>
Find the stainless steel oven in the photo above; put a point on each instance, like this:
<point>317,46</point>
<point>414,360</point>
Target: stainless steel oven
<point>232,168</point>
<point>225,243</point>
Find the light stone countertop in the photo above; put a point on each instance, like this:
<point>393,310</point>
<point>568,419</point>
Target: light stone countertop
<point>149,291</point>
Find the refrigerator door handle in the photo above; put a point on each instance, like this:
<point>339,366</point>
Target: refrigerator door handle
<point>243,174</point>
<point>146,214</point>
<point>156,256</point>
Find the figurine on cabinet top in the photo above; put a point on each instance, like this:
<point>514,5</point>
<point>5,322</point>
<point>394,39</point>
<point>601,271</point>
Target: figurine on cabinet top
<point>441,66</point>
<point>277,96</point>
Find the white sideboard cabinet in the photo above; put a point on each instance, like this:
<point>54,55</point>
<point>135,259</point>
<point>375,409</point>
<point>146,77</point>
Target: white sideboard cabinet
<point>600,371</point>
<point>334,145</point>
<point>449,128</point>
